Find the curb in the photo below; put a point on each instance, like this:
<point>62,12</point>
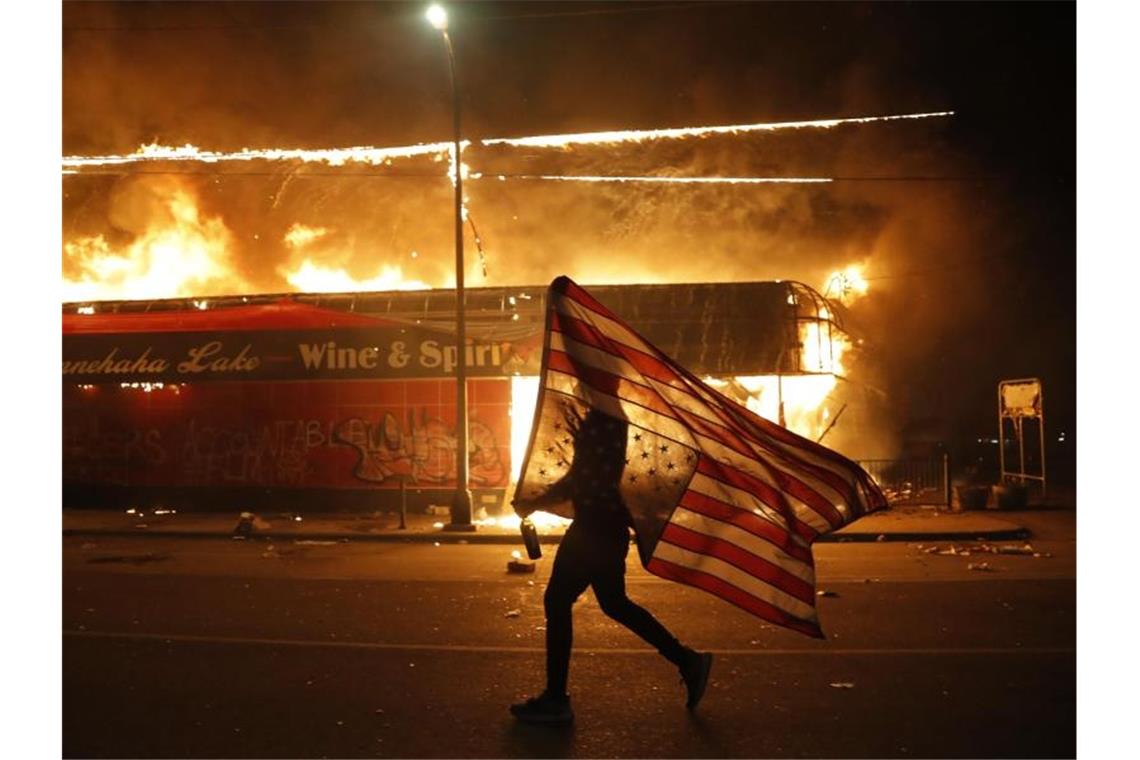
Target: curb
<point>1005,534</point>
<point>1013,533</point>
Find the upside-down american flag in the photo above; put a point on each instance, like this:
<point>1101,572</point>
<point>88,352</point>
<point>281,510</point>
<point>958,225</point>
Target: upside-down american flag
<point>720,498</point>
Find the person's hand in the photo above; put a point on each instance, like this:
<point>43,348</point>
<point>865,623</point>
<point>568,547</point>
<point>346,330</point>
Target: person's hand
<point>523,507</point>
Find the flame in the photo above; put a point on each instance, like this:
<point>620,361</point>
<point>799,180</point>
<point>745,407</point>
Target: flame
<point>299,235</point>
<point>802,396</point>
<point>823,346</point>
<point>182,254</point>
<point>524,397</point>
<point>642,135</point>
<point>311,277</point>
<point>385,156</point>
<point>329,156</point>
<point>510,521</point>
<point>847,285</point>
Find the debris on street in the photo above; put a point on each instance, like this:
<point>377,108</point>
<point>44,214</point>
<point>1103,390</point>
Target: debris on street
<point>517,565</point>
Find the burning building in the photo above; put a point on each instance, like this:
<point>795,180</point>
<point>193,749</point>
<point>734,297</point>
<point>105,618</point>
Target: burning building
<point>184,383</point>
<point>346,401</point>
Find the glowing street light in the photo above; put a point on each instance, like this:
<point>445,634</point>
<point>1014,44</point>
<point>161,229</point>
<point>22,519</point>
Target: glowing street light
<point>437,17</point>
<point>461,502</point>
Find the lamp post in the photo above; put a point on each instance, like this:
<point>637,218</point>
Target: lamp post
<point>461,501</point>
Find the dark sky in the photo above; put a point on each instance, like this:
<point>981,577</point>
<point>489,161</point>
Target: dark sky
<point>969,224</point>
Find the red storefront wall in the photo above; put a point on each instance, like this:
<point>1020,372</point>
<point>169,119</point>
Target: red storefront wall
<point>313,444</point>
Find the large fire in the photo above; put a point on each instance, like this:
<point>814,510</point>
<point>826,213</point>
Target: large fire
<point>314,276</point>
<point>183,252</point>
<point>180,253</point>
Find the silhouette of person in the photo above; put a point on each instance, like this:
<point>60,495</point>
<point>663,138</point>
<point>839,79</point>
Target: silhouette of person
<point>592,553</point>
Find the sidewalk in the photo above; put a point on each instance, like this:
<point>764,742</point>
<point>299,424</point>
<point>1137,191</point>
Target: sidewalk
<point>897,524</point>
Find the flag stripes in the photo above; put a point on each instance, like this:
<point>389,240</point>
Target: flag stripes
<point>696,503</point>
<point>591,346</point>
<point>723,499</point>
<point>754,564</point>
<point>595,367</point>
<point>715,585</point>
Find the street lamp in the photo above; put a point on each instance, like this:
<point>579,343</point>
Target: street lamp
<point>461,501</point>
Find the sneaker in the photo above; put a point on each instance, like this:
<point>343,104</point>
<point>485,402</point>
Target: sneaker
<point>547,709</point>
<point>695,675</point>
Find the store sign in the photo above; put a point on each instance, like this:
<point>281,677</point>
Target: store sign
<point>283,355</point>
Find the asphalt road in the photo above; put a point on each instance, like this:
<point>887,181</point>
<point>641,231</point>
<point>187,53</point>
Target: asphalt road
<point>218,648</point>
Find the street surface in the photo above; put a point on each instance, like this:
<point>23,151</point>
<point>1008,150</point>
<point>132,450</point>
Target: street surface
<point>177,647</point>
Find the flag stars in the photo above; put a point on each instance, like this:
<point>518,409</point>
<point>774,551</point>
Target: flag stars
<point>670,466</point>
<point>645,455</point>
<point>664,448</point>
<point>633,478</point>
<point>637,436</point>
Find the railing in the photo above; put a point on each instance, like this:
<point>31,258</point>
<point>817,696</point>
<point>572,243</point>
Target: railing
<point>912,481</point>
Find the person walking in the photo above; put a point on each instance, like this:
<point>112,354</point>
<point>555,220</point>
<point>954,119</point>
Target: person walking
<point>592,554</point>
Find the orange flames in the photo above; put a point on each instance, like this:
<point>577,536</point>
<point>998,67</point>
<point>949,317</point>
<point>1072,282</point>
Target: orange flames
<point>180,253</point>
<point>847,285</point>
<point>313,276</point>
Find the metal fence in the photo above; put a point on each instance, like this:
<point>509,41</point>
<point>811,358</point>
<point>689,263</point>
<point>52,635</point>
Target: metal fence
<point>912,481</point>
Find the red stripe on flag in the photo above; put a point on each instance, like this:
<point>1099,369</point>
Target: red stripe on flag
<point>731,593</point>
<point>584,332</point>
<point>758,488</point>
<point>571,290</point>
<point>611,384</point>
<point>747,521</point>
<point>744,421</point>
<point>784,481</point>
<point>659,370</point>
<point>754,565</point>
<point>760,427</point>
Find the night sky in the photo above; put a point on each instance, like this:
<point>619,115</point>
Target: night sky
<point>968,224</point>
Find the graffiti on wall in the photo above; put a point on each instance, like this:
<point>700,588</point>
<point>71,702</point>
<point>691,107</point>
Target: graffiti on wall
<point>422,451</point>
<point>100,453</point>
<point>274,453</point>
<point>316,435</point>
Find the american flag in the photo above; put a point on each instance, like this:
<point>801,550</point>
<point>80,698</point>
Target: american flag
<point>720,498</point>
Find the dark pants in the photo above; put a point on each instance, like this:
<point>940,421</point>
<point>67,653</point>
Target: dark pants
<point>594,557</point>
